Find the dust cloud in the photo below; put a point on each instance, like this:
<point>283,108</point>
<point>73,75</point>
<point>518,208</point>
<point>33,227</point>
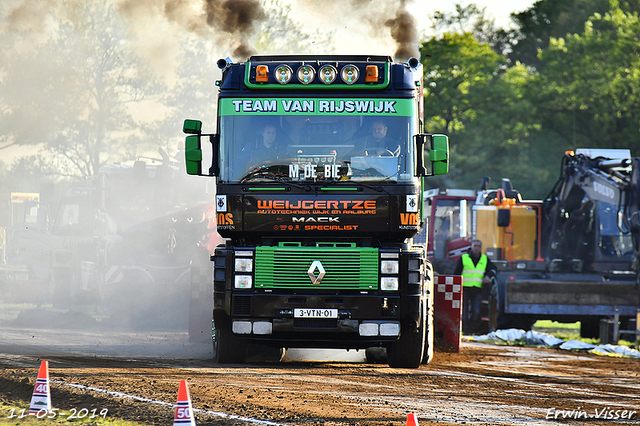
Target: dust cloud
<point>231,23</point>
<point>234,23</point>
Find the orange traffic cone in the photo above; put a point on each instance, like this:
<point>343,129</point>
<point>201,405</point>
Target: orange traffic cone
<point>184,411</point>
<point>41,399</point>
<point>412,420</point>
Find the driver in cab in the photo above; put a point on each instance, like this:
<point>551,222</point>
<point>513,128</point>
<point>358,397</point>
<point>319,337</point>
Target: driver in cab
<point>265,148</point>
<point>379,143</point>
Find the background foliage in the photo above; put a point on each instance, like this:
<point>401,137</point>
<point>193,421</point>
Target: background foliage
<point>513,101</point>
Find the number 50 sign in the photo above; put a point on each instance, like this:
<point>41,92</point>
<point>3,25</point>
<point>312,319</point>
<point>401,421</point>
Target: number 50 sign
<point>183,413</point>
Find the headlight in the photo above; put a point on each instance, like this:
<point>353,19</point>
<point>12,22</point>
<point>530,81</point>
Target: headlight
<point>389,267</point>
<point>350,74</point>
<point>327,74</point>
<point>244,265</point>
<point>389,283</point>
<point>306,74</point>
<point>243,281</point>
<point>283,73</point>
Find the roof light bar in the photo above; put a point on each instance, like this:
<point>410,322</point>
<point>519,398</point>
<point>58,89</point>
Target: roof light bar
<point>350,74</point>
<point>300,73</point>
<point>306,74</point>
<point>283,73</point>
<point>327,74</point>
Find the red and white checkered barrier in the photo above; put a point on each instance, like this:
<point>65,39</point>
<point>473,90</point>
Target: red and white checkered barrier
<point>448,312</point>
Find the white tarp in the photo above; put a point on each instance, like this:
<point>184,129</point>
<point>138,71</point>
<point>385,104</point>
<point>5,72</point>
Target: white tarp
<point>518,337</point>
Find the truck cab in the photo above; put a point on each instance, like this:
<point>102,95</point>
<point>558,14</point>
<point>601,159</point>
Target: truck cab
<point>319,164</point>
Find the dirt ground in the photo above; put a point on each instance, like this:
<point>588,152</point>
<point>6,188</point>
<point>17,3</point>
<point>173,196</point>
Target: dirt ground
<point>482,385</point>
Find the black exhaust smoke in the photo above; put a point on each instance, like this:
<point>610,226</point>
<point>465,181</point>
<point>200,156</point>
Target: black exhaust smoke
<point>403,28</point>
<point>238,19</point>
<point>233,22</point>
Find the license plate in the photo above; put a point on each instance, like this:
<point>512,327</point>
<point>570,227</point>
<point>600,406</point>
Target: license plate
<point>315,313</point>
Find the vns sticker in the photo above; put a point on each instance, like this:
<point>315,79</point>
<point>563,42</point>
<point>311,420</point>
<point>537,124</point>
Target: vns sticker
<point>224,219</point>
<point>409,220</point>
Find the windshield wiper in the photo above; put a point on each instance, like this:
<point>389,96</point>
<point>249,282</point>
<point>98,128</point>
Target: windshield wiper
<point>267,174</point>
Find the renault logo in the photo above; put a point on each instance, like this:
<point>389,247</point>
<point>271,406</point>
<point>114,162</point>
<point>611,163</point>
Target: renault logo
<point>312,272</point>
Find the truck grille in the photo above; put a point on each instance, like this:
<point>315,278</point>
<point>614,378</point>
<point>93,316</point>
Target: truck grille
<point>346,268</point>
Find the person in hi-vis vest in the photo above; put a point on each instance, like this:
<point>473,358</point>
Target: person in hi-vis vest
<point>476,270</point>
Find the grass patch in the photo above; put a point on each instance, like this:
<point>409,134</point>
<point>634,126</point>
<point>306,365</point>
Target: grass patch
<point>11,414</point>
<point>561,330</point>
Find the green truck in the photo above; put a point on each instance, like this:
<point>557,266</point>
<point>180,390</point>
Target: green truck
<point>319,164</point>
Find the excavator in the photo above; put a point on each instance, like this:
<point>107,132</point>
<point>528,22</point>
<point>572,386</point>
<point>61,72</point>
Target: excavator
<point>572,256</point>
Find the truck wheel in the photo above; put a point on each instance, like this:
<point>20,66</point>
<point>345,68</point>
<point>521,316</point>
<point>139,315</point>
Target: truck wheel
<point>407,351</point>
<point>259,353</point>
<point>427,355</point>
<point>429,344</point>
<point>227,348</point>
<point>375,355</point>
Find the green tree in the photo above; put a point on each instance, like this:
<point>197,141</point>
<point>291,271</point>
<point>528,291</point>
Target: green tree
<point>77,89</point>
<point>471,96</point>
<point>589,90</point>
<point>548,19</point>
<point>472,19</point>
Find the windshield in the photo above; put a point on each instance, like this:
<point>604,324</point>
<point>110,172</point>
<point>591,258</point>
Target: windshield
<point>611,241</point>
<point>449,223</point>
<point>316,140</point>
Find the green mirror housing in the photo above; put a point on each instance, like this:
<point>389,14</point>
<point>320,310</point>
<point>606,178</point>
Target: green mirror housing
<point>193,154</point>
<point>439,154</point>
<point>192,127</point>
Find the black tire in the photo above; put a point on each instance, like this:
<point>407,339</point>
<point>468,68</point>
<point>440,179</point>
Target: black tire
<point>258,353</point>
<point>429,343</point>
<point>408,350</point>
<point>376,355</point>
<point>227,348</point>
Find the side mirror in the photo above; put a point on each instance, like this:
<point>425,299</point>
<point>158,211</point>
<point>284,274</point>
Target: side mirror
<point>193,155</point>
<point>439,154</point>
<point>193,148</point>
<point>504,218</point>
<point>192,127</point>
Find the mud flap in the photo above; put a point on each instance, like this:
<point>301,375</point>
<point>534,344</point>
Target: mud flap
<point>448,312</point>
